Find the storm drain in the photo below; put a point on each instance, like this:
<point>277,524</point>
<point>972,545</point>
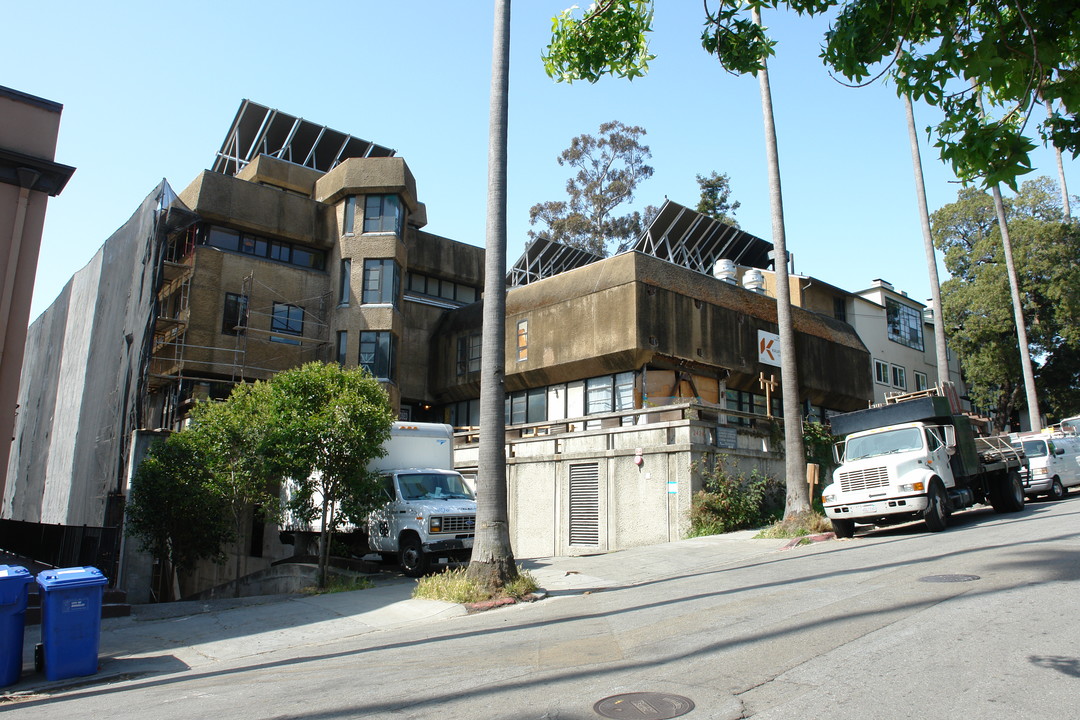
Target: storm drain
<point>644,706</point>
<point>948,578</point>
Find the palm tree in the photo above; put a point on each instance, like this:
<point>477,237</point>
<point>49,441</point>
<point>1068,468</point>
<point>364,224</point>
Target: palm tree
<point>928,246</point>
<point>798,493</point>
<point>492,564</point>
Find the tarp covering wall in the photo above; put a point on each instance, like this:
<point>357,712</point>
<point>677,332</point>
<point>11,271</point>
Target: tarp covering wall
<point>83,375</point>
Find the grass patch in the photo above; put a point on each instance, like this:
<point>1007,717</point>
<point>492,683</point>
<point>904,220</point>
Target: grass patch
<point>340,583</point>
<point>454,586</point>
<point>799,525</point>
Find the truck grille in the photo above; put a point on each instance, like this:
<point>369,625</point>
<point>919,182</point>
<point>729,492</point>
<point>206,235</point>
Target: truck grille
<point>864,479</point>
<point>459,524</point>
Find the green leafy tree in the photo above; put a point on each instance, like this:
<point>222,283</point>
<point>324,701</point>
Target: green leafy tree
<point>492,565</point>
<point>233,435</point>
<point>976,301</point>
<point>1017,54</point>
<point>173,510</point>
<point>324,425</point>
<point>716,198</point>
<point>609,168</point>
<point>570,57</point>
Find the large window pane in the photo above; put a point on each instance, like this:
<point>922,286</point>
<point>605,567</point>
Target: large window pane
<point>598,395</point>
<point>234,318</point>
<point>382,281</point>
<point>377,353</point>
<point>905,324</point>
<point>382,213</point>
<point>287,319</point>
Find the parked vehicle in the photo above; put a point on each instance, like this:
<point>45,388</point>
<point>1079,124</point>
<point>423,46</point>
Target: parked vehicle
<point>1053,464</point>
<point>430,514</point>
<point>1070,425</point>
<point>913,458</point>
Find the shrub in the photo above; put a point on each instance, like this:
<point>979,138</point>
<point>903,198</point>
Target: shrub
<point>732,500</point>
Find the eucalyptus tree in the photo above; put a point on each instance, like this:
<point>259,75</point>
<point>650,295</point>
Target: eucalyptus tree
<point>492,565</point>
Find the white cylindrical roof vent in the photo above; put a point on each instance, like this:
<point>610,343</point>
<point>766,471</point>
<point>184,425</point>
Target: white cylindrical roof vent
<point>724,269</point>
<point>754,280</point>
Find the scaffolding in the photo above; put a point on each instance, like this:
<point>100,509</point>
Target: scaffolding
<point>182,372</point>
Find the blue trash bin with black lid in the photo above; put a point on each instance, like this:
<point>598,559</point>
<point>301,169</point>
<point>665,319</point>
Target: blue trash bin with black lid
<point>70,620</point>
<point>14,587</point>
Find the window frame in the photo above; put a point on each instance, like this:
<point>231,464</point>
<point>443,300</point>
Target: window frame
<point>291,322</point>
<point>240,301</point>
<point>881,368</point>
<point>381,345</point>
<point>375,287</point>
<point>376,219</point>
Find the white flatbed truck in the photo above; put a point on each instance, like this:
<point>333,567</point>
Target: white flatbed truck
<point>915,459</point>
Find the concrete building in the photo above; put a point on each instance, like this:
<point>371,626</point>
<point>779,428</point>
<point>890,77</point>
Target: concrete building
<point>29,176</point>
<point>303,243</point>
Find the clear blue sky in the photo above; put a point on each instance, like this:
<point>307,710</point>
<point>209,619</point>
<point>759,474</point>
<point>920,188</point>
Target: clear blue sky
<point>149,91</point>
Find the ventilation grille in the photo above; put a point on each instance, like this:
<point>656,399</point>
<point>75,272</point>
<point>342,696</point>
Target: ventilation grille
<point>585,504</point>
<point>864,479</point>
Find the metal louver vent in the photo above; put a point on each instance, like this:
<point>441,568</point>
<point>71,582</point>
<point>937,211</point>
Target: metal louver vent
<point>585,504</point>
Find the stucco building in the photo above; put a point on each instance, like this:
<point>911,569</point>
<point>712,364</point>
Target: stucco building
<point>29,176</point>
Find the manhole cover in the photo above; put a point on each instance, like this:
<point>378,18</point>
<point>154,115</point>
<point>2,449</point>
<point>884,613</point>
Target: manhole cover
<point>949,578</point>
<point>644,705</point>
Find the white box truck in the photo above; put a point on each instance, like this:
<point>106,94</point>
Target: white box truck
<point>430,514</point>
<point>915,459</point>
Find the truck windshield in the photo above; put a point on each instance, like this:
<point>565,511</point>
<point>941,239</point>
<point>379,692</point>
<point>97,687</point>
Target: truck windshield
<point>433,486</point>
<point>1032,448</point>
<point>884,443</point>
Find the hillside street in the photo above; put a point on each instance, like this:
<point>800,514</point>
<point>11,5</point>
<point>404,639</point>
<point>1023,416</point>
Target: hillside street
<point>881,626</point>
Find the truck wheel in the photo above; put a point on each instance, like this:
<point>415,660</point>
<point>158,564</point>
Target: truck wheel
<point>412,558</point>
<point>1057,490</point>
<point>1007,493</point>
<point>935,516</point>
<point>843,528</point>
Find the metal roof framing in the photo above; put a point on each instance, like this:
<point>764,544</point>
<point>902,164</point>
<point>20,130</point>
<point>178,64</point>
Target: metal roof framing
<point>695,241</point>
<point>544,258</point>
<point>260,130</point>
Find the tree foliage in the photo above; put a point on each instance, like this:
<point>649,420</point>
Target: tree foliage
<point>715,198</point>
<point>609,40</point>
<point>609,168</point>
<point>172,508</point>
<point>324,425</point>
<point>976,304</point>
<point>239,469</point>
<point>1016,54</point>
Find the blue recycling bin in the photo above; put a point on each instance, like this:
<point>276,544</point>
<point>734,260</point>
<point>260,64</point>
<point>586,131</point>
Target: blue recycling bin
<point>70,620</point>
<point>14,586</point>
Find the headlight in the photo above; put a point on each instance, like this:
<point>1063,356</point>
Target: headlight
<point>828,499</point>
<point>913,488</point>
<point>436,524</point>
<point>1041,471</point>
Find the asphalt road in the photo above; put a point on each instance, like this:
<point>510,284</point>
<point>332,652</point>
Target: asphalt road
<point>975,622</point>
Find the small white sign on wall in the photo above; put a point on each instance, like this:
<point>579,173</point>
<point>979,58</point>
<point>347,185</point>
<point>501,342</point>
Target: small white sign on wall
<point>768,346</point>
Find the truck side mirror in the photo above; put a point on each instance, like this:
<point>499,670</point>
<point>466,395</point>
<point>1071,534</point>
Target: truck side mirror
<point>838,452</point>
<point>950,436</point>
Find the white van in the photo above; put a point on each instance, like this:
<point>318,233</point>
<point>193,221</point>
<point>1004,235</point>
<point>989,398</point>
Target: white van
<point>1053,462</point>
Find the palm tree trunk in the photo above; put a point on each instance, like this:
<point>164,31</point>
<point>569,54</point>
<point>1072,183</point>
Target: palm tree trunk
<point>1065,205</point>
<point>1018,309</point>
<point>1018,315</point>
<point>798,493</point>
<point>492,564</point>
<point>928,246</point>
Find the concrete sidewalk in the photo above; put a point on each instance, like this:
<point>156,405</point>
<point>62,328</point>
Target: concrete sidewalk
<point>184,636</point>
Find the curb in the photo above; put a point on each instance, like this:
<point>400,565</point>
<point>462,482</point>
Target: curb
<point>807,539</point>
